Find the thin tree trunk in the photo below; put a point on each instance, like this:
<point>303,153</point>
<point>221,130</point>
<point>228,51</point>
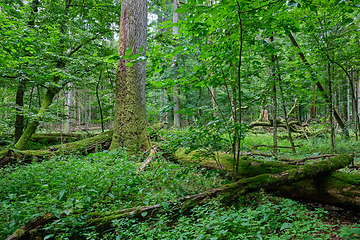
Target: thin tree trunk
<point>19,121</point>
<point>284,108</point>
<point>68,109</point>
<point>99,104</point>
<point>313,104</point>
<point>176,89</point>
<point>271,71</point>
<point>318,84</point>
<point>332,133</point>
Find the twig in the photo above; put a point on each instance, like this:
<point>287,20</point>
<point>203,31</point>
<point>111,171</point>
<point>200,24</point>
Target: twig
<point>157,133</point>
<point>151,156</point>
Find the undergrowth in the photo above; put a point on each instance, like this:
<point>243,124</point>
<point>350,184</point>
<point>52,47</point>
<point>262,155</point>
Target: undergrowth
<point>271,218</point>
<point>104,181</point>
<point>108,181</point>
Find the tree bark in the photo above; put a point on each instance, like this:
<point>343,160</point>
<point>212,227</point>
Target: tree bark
<point>130,124</point>
<point>176,89</point>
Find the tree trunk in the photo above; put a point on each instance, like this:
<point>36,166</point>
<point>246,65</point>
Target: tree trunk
<point>19,121</point>
<point>271,71</point>
<point>68,109</point>
<point>284,110</point>
<point>31,128</point>
<point>103,221</point>
<point>177,107</point>
<point>318,84</point>
<point>130,124</point>
<point>176,89</point>
<point>313,104</point>
<point>99,104</point>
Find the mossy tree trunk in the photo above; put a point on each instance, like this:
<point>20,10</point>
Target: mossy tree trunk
<point>19,121</point>
<point>31,128</point>
<point>130,124</point>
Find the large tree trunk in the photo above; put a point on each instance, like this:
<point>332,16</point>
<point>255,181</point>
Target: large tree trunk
<point>130,124</point>
<point>103,221</point>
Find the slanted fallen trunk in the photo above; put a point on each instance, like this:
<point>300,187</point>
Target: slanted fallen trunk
<point>103,221</point>
<point>338,189</point>
<point>101,141</point>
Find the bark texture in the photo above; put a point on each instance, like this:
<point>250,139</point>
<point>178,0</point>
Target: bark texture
<point>130,124</point>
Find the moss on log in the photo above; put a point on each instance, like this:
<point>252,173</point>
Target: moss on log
<point>338,189</point>
<point>103,221</point>
<point>56,138</point>
<point>101,141</point>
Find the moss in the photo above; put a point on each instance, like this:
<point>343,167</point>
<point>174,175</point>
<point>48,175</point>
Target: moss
<point>18,234</point>
<point>3,153</point>
<point>248,167</point>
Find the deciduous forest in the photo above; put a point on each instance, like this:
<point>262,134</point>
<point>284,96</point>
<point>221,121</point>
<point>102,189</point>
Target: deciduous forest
<point>169,119</point>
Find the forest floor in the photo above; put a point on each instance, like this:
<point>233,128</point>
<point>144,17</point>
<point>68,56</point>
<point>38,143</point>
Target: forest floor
<point>108,181</point>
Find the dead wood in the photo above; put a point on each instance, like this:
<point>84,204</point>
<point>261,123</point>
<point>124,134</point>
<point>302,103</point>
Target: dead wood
<point>340,189</point>
<point>267,146</point>
<point>228,193</point>
<point>101,141</point>
<point>151,156</point>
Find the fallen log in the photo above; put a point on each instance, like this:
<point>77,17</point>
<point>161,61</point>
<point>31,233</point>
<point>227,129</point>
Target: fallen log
<point>228,193</point>
<point>339,189</point>
<point>55,138</point>
<point>294,126</point>
<point>101,141</point>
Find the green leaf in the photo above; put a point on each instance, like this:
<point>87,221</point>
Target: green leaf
<point>128,51</point>
<point>144,214</point>
<point>67,212</point>
<point>129,64</point>
<point>49,236</point>
<point>135,56</point>
<point>165,205</point>
<point>61,194</point>
<point>286,226</point>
